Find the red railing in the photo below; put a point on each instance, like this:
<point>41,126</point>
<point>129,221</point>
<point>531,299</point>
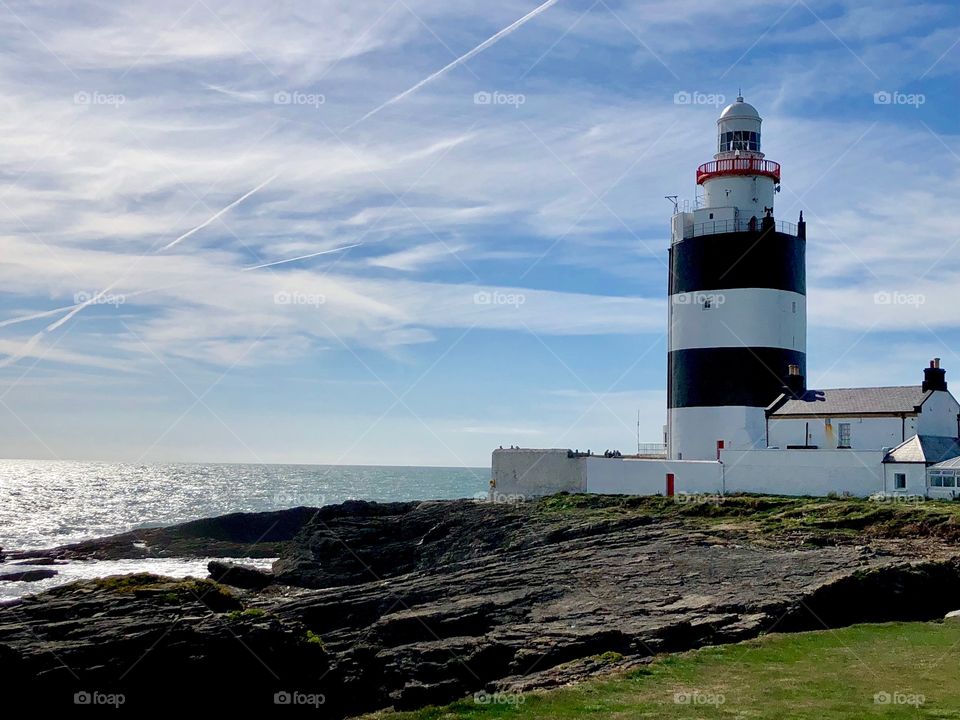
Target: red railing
<point>738,166</point>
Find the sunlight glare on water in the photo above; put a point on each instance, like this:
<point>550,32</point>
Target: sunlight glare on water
<point>49,503</point>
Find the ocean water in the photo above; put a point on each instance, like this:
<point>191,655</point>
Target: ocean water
<point>48,503</point>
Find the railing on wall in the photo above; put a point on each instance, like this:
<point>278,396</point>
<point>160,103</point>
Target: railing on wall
<point>714,227</point>
<point>738,166</point>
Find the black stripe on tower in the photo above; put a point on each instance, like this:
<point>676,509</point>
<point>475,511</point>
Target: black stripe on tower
<point>760,259</point>
<point>736,376</point>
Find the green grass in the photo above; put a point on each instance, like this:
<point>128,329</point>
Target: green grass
<point>826,675</point>
<point>313,638</point>
<point>769,515</point>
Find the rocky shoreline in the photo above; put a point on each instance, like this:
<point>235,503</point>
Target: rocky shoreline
<point>372,606</point>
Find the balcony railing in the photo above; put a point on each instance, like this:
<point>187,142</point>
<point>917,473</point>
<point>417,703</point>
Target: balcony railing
<point>714,227</point>
<point>738,166</point>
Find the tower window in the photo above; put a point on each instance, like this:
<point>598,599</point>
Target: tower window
<point>739,140</point>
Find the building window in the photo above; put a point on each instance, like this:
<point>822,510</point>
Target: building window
<point>899,481</point>
<point>844,437</point>
<point>936,479</point>
<point>707,304</point>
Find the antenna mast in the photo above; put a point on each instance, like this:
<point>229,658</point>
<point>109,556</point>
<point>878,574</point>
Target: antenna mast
<point>638,431</point>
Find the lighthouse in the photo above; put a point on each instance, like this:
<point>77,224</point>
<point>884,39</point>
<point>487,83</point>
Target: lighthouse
<point>737,299</point>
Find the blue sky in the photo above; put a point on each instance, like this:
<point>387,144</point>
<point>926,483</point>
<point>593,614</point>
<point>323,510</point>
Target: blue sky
<point>504,276</point>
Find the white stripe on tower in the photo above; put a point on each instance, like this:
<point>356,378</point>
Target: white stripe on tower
<point>738,317</point>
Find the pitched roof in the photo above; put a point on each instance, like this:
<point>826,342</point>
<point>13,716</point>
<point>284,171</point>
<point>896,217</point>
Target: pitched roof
<point>851,401</point>
<point>951,464</point>
<point>924,448</point>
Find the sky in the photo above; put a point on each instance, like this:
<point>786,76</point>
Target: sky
<point>229,233</point>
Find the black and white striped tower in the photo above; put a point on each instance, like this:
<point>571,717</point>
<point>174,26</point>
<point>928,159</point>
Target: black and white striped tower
<point>737,327</point>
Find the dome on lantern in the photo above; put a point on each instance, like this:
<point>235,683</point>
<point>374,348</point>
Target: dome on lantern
<point>740,109</point>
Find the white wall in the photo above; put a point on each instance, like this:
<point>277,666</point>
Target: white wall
<point>916,478</point>
<point>649,477</point>
<point>532,473</point>
<point>694,431</point>
<point>803,472</point>
<point>866,433</point>
<point>941,493</point>
<point>749,193</point>
<point>938,415</point>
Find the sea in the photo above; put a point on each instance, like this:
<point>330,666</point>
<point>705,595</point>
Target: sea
<point>48,503</point>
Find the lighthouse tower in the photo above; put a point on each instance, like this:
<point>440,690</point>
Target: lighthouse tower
<point>737,310</point>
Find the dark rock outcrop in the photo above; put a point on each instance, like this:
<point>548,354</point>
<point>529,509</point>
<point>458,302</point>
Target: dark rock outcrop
<point>260,535</point>
<point>31,575</point>
<point>240,576</point>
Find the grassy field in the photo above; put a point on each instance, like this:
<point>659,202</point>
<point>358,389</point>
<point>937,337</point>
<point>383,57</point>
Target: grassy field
<point>895,670</point>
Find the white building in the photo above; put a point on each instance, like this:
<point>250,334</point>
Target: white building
<point>739,415</point>
<point>864,418</point>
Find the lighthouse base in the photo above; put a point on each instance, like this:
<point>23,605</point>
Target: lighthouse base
<point>694,432</point>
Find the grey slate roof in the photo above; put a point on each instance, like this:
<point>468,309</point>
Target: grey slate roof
<point>851,401</point>
<point>924,448</point>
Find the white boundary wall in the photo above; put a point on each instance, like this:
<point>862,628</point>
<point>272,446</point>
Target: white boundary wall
<point>803,472</point>
<point>627,476</point>
<point>533,473</point>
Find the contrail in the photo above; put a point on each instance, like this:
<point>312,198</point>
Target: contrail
<point>460,60</point>
<point>22,352</point>
<point>72,310</point>
<point>35,316</point>
<point>89,301</point>
<point>217,214</point>
<point>302,257</point>
<point>75,309</point>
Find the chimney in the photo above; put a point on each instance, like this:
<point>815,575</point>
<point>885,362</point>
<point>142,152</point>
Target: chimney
<point>795,384</point>
<point>934,377</point>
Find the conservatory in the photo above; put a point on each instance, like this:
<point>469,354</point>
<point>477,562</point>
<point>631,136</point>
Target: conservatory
<point>943,479</point>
